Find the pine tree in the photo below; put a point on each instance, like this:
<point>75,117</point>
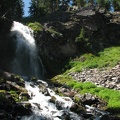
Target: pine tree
<point>12,9</point>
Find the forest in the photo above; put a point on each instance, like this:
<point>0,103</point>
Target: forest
<point>13,9</point>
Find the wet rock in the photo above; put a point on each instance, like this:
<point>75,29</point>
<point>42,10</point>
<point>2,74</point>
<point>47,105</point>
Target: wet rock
<point>24,96</point>
<point>38,105</point>
<point>5,75</point>
<point>59,105</point>
<point>77,108</point>
<point>53,99</point>
<point>21,111</point>
<point>27,105</point>
<point>104,117</point>
<point>16,86</point>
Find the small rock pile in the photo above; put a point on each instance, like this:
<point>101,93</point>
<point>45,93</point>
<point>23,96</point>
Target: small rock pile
<point>109,78</point>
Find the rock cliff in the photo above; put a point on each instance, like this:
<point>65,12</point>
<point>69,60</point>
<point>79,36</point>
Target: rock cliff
<point>66,34</point>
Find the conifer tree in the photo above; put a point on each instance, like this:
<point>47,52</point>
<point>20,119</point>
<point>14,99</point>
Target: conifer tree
<point>12,9</point>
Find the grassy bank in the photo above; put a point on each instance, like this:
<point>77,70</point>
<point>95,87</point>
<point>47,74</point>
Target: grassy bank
<point>112,97</point>
<point>107,58</point>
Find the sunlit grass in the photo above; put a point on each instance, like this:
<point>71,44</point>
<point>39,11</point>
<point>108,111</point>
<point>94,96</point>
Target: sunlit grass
<point>107,58</point>
<point>112,97</point>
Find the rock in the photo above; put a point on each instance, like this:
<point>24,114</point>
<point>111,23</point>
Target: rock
<point>17,87</point>
<point>105,117</point>
<point>21,111</point>
<point>77,108</point>
<point>24,96</point>
<point>69,93</point>
<point>106,78</point>
<point>53,99</point>
<point>6,75</point>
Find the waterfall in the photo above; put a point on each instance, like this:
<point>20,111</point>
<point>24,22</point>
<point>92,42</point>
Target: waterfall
<point>48,106</point>
<point>26,61</point>
<point>45,103</point>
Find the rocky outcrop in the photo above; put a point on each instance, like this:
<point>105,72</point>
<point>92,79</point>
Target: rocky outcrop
<point>12,94</point>
<point>85,30</point>
<point>109,78</point>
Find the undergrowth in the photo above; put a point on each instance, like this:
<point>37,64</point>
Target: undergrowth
<point>107,58</point>
<point>112,97</point>
<point>104,59</point>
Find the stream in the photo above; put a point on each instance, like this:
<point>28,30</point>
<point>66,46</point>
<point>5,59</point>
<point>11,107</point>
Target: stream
<point>49,106</point>
<point>45,103</point>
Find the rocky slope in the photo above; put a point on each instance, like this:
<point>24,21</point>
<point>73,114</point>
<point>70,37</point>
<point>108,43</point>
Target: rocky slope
<point>12,94</point>
<point>67,34</point>
<point>14,100</point>
<point>109,78</point>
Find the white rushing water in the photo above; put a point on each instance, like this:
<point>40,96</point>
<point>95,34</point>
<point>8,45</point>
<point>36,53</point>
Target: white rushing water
<point>46,104</point>
<point>26,61</point>
<point>44,109</point>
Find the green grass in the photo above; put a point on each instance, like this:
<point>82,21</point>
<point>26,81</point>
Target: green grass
<point>112,97</point>
<point>104,59</point>
<point>107,58</point>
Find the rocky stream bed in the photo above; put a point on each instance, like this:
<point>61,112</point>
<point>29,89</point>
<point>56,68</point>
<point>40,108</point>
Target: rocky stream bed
<point>14,99</point>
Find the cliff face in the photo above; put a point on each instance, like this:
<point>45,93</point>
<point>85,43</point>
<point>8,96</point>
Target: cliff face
<point>68,34</point>
<point>6,45</point>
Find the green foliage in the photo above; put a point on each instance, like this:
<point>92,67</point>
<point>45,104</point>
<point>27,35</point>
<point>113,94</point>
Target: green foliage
<point>14,95</point>
<point>112,97</point>
<point>104,3</point>
<point>80,3</point>
<point>2,97</point>
<point>36,26</point>
<point>82,37</point>
<point>116,4</point>
<point>1,80</point>
<point>12,9</point>
<point>83,40</point>
<point>40,8</point>
<point>54,33</point>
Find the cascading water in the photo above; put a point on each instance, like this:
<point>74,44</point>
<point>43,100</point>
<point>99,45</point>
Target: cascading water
<point>26,61</point>
<point>46,105</point>
<point>49,106</point>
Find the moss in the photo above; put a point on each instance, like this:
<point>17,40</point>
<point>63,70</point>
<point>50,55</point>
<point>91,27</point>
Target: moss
<point>2,96</point>
<point>77,99</point>
<point>36,26</point>
<point>14,95</point>
<point>53,99</point>
<point>54,33</point>
<point>2,80</point>
<point>2,91</point>
<point>34,79</point>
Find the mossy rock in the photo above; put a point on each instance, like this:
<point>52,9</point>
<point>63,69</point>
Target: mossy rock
<point>24,96</point>
<point>53,99</point>
<point>77,98</point>
<point>28,105</point>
